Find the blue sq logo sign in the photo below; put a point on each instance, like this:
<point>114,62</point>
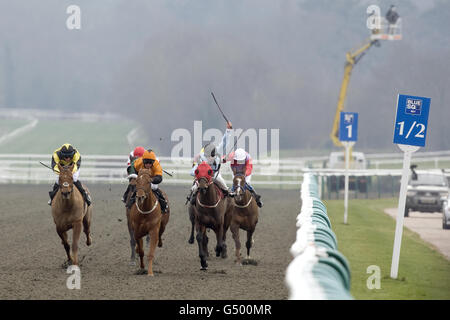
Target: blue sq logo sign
<point>413,106</point>
<point>411,120</point>
<point>348,126</point>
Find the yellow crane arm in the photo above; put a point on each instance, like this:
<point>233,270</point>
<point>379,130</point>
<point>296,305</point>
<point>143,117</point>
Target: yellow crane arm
<point>352,58</point>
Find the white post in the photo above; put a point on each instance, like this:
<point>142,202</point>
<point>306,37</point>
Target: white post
<point>408,150</point>
<point>347,145</point>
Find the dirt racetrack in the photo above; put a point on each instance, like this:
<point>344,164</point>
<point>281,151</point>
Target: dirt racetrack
<point>31,254</point>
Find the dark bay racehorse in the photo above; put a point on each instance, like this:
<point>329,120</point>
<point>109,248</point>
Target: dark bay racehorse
<point>69,211</point>
<point>245,215</point>
<point>146,218</point>
<point>213,211</point>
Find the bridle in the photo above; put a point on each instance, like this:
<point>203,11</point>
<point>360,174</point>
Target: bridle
<point>147,194</point>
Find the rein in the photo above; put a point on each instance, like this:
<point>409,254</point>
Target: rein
<point>147,212</point>
<point>248,203</point>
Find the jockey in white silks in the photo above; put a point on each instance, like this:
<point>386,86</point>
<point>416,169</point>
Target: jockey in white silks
<point>213,156</point>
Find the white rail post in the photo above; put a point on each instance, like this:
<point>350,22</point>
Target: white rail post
<point>347,145</point>
<point>408,150</point>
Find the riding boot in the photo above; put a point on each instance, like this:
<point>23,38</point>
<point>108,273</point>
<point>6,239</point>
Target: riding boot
<point>162,200</point>
<point>53,193</point>
<point>194,197</point>
<point>132,200</point>
<point>125,195</point>
<point>257,197</point>
<point>85,195</point>
<point>188,198</point>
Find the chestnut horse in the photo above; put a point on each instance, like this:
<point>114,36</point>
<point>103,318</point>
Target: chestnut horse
<point>146,218</point>
<point>213,211</point>
<point>245,215</point>
<point>69,211</point>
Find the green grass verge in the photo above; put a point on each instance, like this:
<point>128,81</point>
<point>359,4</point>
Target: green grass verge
<point>368,239</point>
<point>8,125</point>
<point>101,137</point>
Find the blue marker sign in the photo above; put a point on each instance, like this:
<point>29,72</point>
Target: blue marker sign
<point>348,126</point>
<point>411,120</point>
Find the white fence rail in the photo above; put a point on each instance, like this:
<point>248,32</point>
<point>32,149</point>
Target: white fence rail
<point>19,168</point>
<point>285,173</point>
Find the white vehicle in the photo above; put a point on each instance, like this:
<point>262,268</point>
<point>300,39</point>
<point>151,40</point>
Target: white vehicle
<point>426,191</point>
<point>446,213</point>
<point>357,161</point>
<point>337,160</point>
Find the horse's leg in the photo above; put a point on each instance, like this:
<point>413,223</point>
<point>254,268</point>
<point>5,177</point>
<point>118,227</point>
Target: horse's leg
<point>75,238</point>
<point>224,240</point>
<point>87,226</point>
<point>237,242</point>
<point>132,241</point>
<point>249,242</point>
<point>140,251</point>
<point>220,243</point>
<point>201,233</point>
<point>151,253</point>
<point>191,218</point>
<point>63,235</point>
<point>205,245</point>
<point>162,228</point>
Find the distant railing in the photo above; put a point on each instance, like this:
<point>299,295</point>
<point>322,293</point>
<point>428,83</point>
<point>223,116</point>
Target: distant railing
<point>20,168</point>
<point>281,174</point>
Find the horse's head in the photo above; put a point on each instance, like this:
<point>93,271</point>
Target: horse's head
<point>239,186</point>
<point>66,180</point>
<point>203,174</point>
<point>143,182</point>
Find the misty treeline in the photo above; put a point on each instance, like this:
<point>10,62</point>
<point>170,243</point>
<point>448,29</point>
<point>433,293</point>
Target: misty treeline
<point>271,64</point>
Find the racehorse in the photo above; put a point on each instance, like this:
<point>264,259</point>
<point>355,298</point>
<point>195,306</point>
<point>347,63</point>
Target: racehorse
<point>69,211</point>
<point>245,215</point>
<point>146,218</point>
<point>213,211</point>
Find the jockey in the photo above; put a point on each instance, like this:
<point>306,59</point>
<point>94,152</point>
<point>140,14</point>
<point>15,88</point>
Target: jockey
<point>241,163</point>
<point>149,161</point>
<point>212,155</point>
<point>66,155</point>
<point>134,155</point>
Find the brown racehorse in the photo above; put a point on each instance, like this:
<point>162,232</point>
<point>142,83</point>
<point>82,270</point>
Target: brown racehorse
<point>147,219</point>
<point>212,211</point>
<point>71,212</point>
<point>245,215</point>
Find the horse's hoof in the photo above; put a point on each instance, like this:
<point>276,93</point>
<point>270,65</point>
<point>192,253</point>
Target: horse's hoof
<point>191,241</point>
<point>159,244</point>
<point>132,263</point>
<point>89,241</point>
<point>204,268</point>
<point>150,275</point>
<point>141,272</point>
<point>66,264</point>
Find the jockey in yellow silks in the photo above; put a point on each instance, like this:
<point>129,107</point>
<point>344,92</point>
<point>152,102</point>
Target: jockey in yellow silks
<point>65,156</point>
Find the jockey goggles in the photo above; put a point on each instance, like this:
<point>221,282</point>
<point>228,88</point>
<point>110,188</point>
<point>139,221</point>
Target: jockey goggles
<point>148,161</point>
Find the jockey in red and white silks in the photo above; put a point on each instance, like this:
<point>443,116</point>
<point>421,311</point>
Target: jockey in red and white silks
<point>241,163</point>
